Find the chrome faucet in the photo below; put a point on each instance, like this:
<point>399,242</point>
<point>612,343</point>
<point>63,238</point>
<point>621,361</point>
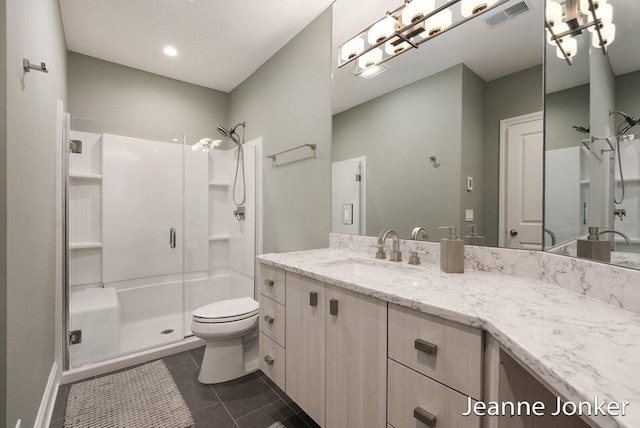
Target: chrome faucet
<point>419,234</point>
<point>594,234</point>
<point>552,235</point>
<point>396,255</point>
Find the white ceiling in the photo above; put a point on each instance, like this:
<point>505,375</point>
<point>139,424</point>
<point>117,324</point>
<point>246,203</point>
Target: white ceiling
<point>512,46</point>
<point>220,42</point>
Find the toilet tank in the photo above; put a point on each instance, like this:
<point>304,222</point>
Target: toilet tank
<point>96,313</point>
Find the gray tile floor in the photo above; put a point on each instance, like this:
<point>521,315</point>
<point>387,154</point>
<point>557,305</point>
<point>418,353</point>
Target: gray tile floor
<point>252,401</point>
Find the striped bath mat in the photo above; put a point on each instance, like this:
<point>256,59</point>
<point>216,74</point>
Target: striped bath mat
<point>143,397</point>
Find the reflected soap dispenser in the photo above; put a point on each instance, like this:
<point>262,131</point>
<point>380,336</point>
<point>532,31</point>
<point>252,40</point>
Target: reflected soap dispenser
<point>473,238</point>
<point>451,252</point>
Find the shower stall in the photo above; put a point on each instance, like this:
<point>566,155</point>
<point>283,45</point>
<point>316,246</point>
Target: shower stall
<point>152,233</point>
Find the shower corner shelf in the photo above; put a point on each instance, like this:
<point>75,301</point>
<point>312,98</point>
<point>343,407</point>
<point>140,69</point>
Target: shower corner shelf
<point>85,245</point>
<point>219,238</point>
<point>96,177</point>
<point>219,184</point>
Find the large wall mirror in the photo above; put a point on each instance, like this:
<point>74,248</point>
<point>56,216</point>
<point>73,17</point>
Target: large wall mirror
<point>449,134</point>
<point>592,109</point>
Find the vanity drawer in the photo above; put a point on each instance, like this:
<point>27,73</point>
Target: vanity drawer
<point>272,360</point>
<point>446,351</point>
<point>272,283</point>
<point>272,319</point>
<point>413,399</point>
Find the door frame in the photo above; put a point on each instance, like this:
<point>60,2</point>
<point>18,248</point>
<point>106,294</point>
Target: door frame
<point>505,124</point>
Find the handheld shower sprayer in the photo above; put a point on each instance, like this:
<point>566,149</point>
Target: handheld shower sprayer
<point>239,163</point>
<point>623,128</point>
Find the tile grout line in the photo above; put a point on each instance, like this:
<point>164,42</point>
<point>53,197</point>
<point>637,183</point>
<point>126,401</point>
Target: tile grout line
<point>224,406</point>
<point>263,407</point>
<point>285,401</point>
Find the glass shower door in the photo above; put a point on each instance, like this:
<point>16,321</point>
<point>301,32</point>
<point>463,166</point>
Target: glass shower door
<point>126,235</point>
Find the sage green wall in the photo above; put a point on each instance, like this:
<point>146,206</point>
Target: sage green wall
<point>398,132</point>
<point>288,102</point>
<point>563,109</point>
<point>34,31</point>
<point>474,100</point>
<point>3,211</point>
<point>510,96</point>
<point>628,95</point>
<point>108,92</point>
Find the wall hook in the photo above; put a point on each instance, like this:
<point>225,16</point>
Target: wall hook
<point>27,66</point>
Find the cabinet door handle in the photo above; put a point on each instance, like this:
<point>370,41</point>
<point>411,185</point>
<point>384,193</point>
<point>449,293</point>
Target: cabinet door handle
<point>268,319</point>
<point>425,417</point>
<point>268,360</point>
<point>268,282</point>
<point>426,347</point>
<point>313,298</point>
<point>333,306</point>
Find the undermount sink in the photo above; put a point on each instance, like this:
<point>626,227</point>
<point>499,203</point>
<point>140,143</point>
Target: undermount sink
<point>365,269</point>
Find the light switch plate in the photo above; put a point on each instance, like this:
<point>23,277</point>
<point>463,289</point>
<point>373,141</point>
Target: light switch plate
<point>347,213</point>
<point>468,215</point>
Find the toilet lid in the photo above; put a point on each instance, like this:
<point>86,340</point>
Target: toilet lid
<point>228,310</point>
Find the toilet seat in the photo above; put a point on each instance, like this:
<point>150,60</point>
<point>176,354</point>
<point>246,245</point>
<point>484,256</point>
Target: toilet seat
<point>227,311</point>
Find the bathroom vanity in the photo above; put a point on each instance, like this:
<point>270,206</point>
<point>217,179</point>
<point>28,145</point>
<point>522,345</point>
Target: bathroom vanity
<point>359,342</point>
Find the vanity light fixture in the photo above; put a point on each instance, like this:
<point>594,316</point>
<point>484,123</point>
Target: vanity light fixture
<point>579,15</point>
<point>407,27</point>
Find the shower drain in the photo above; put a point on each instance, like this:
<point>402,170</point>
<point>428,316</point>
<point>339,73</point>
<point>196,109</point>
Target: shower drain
<point>167,331</point>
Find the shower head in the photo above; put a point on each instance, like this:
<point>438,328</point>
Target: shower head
<point>582,129</point>
<point>231,133</point>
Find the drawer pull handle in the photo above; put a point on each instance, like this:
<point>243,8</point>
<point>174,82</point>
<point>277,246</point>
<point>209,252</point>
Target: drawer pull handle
<point>425,417</point>
<point>268,360</point>
<point>426,347</point>
<point>268,319</point>
<point>313,298</point>
<point>333,306</point>
<point>268,282</point>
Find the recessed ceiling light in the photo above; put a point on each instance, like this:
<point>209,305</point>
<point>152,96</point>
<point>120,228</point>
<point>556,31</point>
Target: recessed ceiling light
<point>170,51</point>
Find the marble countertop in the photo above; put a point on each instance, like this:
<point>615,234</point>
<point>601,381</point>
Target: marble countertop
<point>579,346</point>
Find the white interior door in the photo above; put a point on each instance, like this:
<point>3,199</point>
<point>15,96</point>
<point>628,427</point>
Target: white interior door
<point>522,150</point>
<point>142,212</point>
<point>348,183</point>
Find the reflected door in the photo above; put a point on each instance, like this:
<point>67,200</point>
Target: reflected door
<point>521,182</point>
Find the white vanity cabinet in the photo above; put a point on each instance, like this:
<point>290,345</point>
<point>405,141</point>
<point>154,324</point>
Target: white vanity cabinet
<point>272,323</point>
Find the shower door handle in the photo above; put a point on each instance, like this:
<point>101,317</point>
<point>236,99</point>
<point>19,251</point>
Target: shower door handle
<point>172,238</point>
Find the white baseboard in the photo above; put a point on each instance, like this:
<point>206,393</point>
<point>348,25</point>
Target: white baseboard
<point>48,399</point>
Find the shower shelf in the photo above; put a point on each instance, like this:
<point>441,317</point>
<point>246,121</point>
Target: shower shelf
<point>219,184</point>
<point>85,245</point>
<point>96,177</point>
<point>219,238</point>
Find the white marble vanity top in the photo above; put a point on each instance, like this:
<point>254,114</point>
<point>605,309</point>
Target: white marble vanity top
<point>579,346</point>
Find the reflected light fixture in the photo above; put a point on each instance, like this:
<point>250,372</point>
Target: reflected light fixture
<point>413,23</point>
<point>565,21</point>
<point>373,71</point>
<point>170,51</point>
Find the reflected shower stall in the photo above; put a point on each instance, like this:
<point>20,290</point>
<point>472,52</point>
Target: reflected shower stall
<point>153,233</point>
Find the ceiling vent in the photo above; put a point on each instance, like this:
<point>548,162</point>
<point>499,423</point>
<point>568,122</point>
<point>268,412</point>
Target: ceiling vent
<point>508,13</point>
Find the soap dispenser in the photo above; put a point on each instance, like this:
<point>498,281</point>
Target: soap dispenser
<point>452,252</point>
<point>473,238</point>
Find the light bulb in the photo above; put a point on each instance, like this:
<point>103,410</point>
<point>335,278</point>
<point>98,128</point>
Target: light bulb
<point>416,10</point>
<point>608,35</point>
<point>381,30</point>
<point>351,49</point>
<point>570,46</point>
<point>586,9</point>
<point>557,30</point>
<point>472,7</point>
<point>554,13</point>
<point>437,23</point>
<point>605,15</point>
<point>371,58</point>
<point>392,49</point>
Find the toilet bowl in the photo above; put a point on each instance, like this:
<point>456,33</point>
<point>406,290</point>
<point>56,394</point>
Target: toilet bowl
<point>222,326</point>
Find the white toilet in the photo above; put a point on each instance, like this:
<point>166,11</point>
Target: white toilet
<point>222,326</point>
